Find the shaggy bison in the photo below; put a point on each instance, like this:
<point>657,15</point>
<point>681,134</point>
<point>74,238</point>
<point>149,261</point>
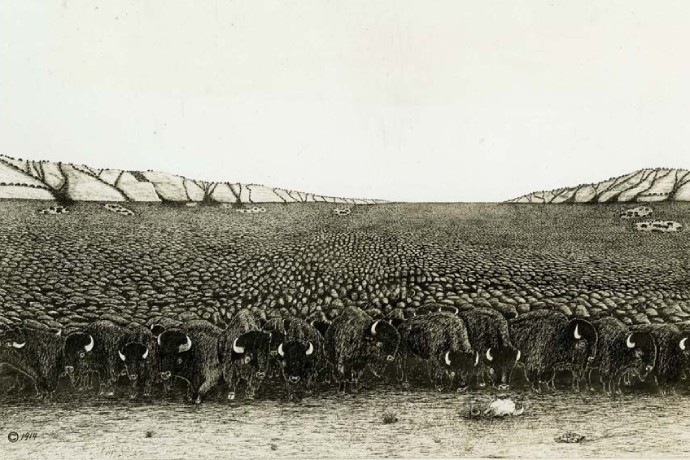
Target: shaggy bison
<point>442,341</point>
<point>38,354</point>
<point>489,336</point>
<point>190,353</point>
<point>673,354</point>
<point>622,352</point>
<point>549,341</point>
<point>244,353</point>
<point>355,342</point>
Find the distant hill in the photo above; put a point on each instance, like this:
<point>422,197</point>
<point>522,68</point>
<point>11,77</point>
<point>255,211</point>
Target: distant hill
<point>645,185</point>
<point>46,180</point>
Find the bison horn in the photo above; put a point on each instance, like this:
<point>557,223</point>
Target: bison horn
<point>280,350</point>
<point>577,332</point>
<point>476,360</point>
<point>89,346</point>
<point>236,349</point>
<point>447,358</point>
<point>310,350</point>
<point>158,339</point>
<point>682,343</point>
<point>186,346</point>
<point>629,342</point>
<point>18,345</point>
<point>146,353</point>
<point>119,353</point>
<point>488,355</point>
<point>373,326</point>
<point>519,354</point>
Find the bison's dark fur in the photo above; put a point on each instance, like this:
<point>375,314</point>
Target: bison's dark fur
<point>352,346</point>
<point>199,365</point>
<point>620,352</point>
<point>38,354</point>
<point>441,340</point>
<point>671,359</point>
<point>103,358</point>
<point>547,341</point>
<point>301,355</point>
<point>140,364</point>
<point>490,337</point>
<point>252,363</point>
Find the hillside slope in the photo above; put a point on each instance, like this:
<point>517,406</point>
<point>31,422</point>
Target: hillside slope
<point>45,180</point>
<point>645,185</point>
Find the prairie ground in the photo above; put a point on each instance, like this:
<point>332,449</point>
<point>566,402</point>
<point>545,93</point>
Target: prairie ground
<point>209,261</point>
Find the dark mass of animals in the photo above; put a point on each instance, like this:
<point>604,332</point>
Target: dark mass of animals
<point>434,345</point>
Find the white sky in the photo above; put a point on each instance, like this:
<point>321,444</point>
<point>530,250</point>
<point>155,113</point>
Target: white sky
<point>398,99</point>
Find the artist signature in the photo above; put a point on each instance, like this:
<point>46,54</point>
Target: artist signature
<point>13,436</point>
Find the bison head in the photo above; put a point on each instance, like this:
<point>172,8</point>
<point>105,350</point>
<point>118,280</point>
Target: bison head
<point>684,346</point>
<point>460,365</point>
<point>37,353</point>
<point>251,351</point>
<point>137,360</point>
<point>499,363</point>
<point>642,349</point>
<point>78,354</point>
<point>297,359</point>
<point>581,342</point>
<point>383,340</point>
<point>174,346</point>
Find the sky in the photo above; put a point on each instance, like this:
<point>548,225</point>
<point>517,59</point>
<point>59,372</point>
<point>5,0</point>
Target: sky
<point>402,100</point>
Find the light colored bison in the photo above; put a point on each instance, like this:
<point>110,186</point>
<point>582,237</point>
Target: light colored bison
<point>636,213</point>
<point>659,226</point>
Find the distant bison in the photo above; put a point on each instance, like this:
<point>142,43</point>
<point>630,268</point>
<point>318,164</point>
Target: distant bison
<point>118,209</point>
<point>549,341</point>
<point>253,210</point>
<point>54,210</point>
<point>659,226</point>
<point>635,213</point>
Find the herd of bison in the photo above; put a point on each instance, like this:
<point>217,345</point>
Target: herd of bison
<point>302,299</point>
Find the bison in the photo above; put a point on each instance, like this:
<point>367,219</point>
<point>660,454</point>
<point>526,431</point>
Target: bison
<point>355,342</point>
<point>442,341</point>
<point>673,354</point>
<point>38,354</point>
<point>139,355</point>
<point>549,341</point>
<point>301,356</point>
<point>95,351</point>
<point>190,352</point>
<point>243,350</point>
<point>621,353</point>
<point>490,338</point>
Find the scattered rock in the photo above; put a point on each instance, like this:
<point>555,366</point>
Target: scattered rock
<point>570,437</point>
